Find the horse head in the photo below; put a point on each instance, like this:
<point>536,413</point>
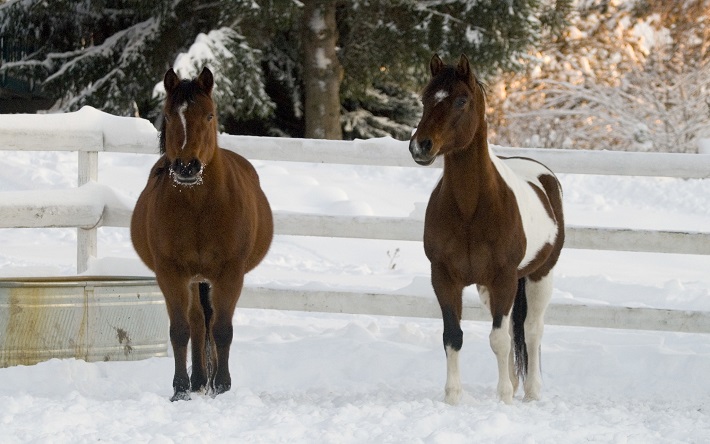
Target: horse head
<point>188,137</point>
<point>454,111</point>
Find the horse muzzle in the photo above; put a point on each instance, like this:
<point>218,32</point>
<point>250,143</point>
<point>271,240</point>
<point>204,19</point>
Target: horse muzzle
<point>421,152</point>
<point>187,174</point>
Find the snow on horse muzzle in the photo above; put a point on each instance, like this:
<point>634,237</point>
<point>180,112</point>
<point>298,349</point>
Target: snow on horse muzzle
<point>186,174</point>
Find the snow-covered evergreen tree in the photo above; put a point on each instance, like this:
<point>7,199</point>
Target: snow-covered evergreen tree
<point>110,54</point>
<point>226,53</point>
<point>386,47</point>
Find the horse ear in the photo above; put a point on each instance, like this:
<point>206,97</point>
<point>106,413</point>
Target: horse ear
<point>206,80</point>
<point>463,69</point>
<point>170,81</point>
<point>435,65</point>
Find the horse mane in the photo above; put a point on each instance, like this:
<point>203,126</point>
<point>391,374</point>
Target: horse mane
<point>185,91</point>
<point>445,80</point>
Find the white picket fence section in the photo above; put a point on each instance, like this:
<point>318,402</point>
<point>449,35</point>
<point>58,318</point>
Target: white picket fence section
<point>90,132</point>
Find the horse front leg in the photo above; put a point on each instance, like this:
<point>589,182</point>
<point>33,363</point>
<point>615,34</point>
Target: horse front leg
<point>177,299</point>
<point>501,296</point>
<point>449,294</point>
<point>225,294</point>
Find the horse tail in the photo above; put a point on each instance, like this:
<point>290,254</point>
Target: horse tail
<point>207,310</point>
<point>205,302</point>
<point>520,312</point>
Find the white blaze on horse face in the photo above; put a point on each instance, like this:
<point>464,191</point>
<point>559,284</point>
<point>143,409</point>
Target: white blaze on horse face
<point>539,227</point>
<point>181,114</point>
<point>440,95</point>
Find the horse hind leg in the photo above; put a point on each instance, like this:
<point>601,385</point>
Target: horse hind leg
<point>512,368</point>
<point>538,297</point>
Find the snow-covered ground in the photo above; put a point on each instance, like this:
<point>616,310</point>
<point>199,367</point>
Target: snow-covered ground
<point>309,377</point>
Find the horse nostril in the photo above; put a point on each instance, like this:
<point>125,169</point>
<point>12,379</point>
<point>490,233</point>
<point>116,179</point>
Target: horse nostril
<point>426,145</point>
<point>176,166</point>
<point>187,171</point>
<point>194,167</point>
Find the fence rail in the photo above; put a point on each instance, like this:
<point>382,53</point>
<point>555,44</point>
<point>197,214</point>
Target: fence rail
<point>90,132</point>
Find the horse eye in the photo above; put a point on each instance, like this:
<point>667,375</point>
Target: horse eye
<point>210,116</point>
<point>460,102</point>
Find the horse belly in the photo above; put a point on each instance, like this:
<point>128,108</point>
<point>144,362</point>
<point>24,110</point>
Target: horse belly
<point>138,230</point>
<point>539,225</point>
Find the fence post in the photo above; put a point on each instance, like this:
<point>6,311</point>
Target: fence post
<point>86,239</point>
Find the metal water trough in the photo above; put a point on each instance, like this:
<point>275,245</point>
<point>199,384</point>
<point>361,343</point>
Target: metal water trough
<point>89,318</point>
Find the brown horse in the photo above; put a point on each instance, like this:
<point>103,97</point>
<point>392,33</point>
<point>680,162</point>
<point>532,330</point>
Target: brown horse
<point>492,222</point>
<point>201,223</point>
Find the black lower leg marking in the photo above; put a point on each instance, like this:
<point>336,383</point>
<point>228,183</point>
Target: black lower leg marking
<point>453,335</point>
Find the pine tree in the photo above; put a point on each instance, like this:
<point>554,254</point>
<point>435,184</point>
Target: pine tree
<point>386,46</point>
<point>227,54</point>
<point>110,54</point>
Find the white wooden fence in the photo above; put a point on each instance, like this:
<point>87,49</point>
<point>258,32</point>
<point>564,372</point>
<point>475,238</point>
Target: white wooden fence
<point>90,132</point>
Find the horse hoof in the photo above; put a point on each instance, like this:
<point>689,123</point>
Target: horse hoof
<point>180,396</point>
<point>452,396</point>
<point>531,397</point>
<point>221,388</point>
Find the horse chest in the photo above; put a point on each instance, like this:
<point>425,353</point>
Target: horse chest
<point>477,243</point>
<point>208,239</point>
<point>468,249</point>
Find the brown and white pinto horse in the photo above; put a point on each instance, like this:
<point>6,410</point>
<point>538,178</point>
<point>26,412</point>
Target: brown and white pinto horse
<point>201,223</point>
<point>490,221</point>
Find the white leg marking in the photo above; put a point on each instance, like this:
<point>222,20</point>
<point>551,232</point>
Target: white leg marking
<point>538,294</point>
<point>500,343</point>
<point>181,113</point>
<point>452,389</point>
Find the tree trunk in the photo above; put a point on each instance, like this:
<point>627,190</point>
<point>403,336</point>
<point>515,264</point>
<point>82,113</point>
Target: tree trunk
<point>322,70</point>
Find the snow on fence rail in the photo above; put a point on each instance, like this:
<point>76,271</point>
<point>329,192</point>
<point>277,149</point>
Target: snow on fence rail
<point>89,132</point>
